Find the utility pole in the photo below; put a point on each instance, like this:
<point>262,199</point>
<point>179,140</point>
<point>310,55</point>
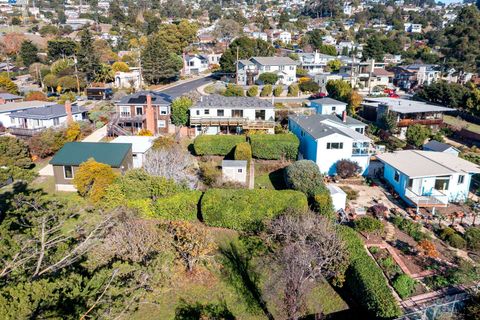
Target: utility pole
<point>76,74</point>
<point>140,69</point>
<point>8,67</point>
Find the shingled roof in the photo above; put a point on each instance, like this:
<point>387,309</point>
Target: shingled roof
<point>218,101</point>
<point>75,153</point>
<point>140,98</point>
<point>47,112</point>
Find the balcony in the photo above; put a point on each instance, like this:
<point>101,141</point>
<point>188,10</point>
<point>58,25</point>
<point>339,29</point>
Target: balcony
<point>435,199</point>
<point>427,122</point>
<point>245,123</point>
<point>126,117</point>
<point>25,132</point>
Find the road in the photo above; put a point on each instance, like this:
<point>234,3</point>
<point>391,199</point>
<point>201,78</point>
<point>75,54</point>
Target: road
<point>178,90</point>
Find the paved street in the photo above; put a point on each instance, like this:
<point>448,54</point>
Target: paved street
<point>178,90</point>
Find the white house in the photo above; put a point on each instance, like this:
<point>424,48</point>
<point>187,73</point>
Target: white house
<point>250,70</point>
<point>216,114</point>
<point>326,139</point>
<point>8,109</point>
<point>126,80</point>
<point>314,62</point>
<point>195,64</point>
<point>339,197</point>
<point>234,170</point>
<point>260,35</point>
<point>285,37</point>
<point>48,116</point>
<point>437,146</point>
<point>328,106</point>
<point>427,178</point>
<point>413,27</point>
<point>140,146</point>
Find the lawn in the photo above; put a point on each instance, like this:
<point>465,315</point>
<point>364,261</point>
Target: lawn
<point>453,121</point>
<point>270,174</point>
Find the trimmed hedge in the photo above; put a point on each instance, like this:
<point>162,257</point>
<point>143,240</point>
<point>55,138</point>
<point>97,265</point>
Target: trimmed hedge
<point>274,146</point>
<point>366,280</point>
<point>220,145</point>
<point>243,151</point>
<point>181,206</point>
<point>247,210</point>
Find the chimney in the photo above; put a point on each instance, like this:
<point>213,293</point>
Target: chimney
<point>344,116</point>
<point>150,115</point>
<point>68,111</point>
<point>2,101</point>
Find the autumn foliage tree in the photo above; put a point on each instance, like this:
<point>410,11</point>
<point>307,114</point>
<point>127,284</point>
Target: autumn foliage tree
<point>428,248</point>
<point>92,179</point>
<point>36,96</point>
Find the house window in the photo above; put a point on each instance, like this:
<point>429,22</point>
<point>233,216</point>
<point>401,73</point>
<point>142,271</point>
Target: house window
<point>267,68</point>
<point>259,114</point>
<point>68,172</point>
<point>207,111</point>
<point>410,183</point>
<point>240,170</point>
<point>281,68</point>
<point>163,110</point>
<point>197,112</point>
<point>302,133</point>
<point>396,176</point>
<point>139,111</point>
<point>292,68</point>
<point>56,121</point>
<point>220,113</point>
<point>461,179</point>
<point>441,183</point>
<point>334,108</point>
<point>359,130</point>
<point>124,111</point>
<point>335,145</point>
<point>161,123</point>
<point>237,113</point>
<point>134,155</point>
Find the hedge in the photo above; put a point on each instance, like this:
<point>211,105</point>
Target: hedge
<point>274,146</point>
<point>243,151</point>
<point>181,206</point>
<point>220,145</point>
<point>247,210</point>
<point>366,280</point>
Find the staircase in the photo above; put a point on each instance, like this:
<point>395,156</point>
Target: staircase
<point>389,232</point>
<point>114,129</point>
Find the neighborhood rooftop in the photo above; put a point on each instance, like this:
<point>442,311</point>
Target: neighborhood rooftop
<point>435,145</point>
<point>140,98</point>
<point>234,163</point>
<point>218,101</point>
<point>415,163</point>
<point>75,153</point>
<point>140,144</point>
<point>274,61</point>
<point>22,105</point>
<point>48,112</point>
<point>329,101</point>
<point>406,106</point>
<point>9,96</point>
<point>319,126</point>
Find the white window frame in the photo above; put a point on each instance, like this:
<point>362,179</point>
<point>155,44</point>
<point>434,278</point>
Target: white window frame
<point>65,175</point>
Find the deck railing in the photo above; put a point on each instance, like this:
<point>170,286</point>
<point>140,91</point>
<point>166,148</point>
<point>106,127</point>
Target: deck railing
<point>435,198</point>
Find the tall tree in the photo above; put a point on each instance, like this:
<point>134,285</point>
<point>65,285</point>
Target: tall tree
<point>28,52</point>
<point>462,50</point>
<point>60,48</point>
<point>88,61</point>
<point>158,63</point>
<point>247,48</point>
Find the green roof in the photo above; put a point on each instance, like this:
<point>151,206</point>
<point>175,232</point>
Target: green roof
<point>75,153</point>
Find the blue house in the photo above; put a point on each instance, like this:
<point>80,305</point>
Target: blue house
<point>428,179</point>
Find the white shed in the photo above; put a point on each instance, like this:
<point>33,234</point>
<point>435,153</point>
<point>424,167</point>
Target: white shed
<point>234,170</point>
<point>339,197</point>
<point>140,146</point>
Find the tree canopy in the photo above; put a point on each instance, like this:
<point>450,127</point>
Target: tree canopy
<point>247,48</point>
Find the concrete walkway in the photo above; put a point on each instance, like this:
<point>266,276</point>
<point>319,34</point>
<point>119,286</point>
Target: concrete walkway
<point>251,180</point>
<point>95,136</point>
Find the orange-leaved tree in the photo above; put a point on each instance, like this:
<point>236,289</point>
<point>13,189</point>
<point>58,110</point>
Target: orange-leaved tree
<point>92,179</point>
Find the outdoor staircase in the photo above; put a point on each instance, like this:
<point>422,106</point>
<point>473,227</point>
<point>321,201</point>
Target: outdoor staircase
<point>114,129</point>
<point>389,232</point>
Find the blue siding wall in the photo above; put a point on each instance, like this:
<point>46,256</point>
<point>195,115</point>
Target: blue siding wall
<point>308,145</point>
<point>400,185</point>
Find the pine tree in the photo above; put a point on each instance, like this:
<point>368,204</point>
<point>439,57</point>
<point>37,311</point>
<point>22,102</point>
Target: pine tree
<point>159,64</point>
<point>88,61</point>
<point>28,52</point>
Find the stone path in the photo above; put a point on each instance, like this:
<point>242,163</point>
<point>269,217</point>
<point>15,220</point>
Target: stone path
<point>251,180</point>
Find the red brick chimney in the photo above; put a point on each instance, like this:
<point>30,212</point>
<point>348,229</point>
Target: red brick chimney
<point>2,101</point>
<point>68,111</point>
<point>344,116</point>
<point>150,116</point>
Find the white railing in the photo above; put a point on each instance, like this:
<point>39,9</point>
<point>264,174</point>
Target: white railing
<point>436,197</point>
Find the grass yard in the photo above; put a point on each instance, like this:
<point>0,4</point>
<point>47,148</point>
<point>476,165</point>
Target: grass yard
<point>269,174</point>
<point>453,121</point>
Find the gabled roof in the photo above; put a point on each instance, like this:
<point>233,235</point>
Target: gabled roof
<point>22,105</point>
<point>75,153</point>
<point>47,112</point>
<point>140,144</point>
<point>234,163</point>
<point>434,145</point>
<point>218,101</point>
<point>416,163</point>
<point>140,98</point>
<point>328,101</point>
<point>9,96</point>
<point>274,61</point>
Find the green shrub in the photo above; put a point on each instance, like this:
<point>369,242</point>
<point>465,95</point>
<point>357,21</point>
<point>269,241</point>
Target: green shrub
<point>216,144</point>
<point>472,235</point>
<point>274,146</point>
<point>252,91</point>
<point>247,210</point>
<point>234,91</point>
<point>446,233</point>
<point>457,241</point>
<point>323,204</point>
<point>266,91</point>
<point>309,86</point>
<point>305,176</point>
<point>181,206</point>
<point>243,151</point>
<point>366,280</point>
<point>404,285</point>
<point>410,227</point>
<point>268,78</point>
<point>368,224</point>
<point>293,90</point>
<point>277,92</point>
